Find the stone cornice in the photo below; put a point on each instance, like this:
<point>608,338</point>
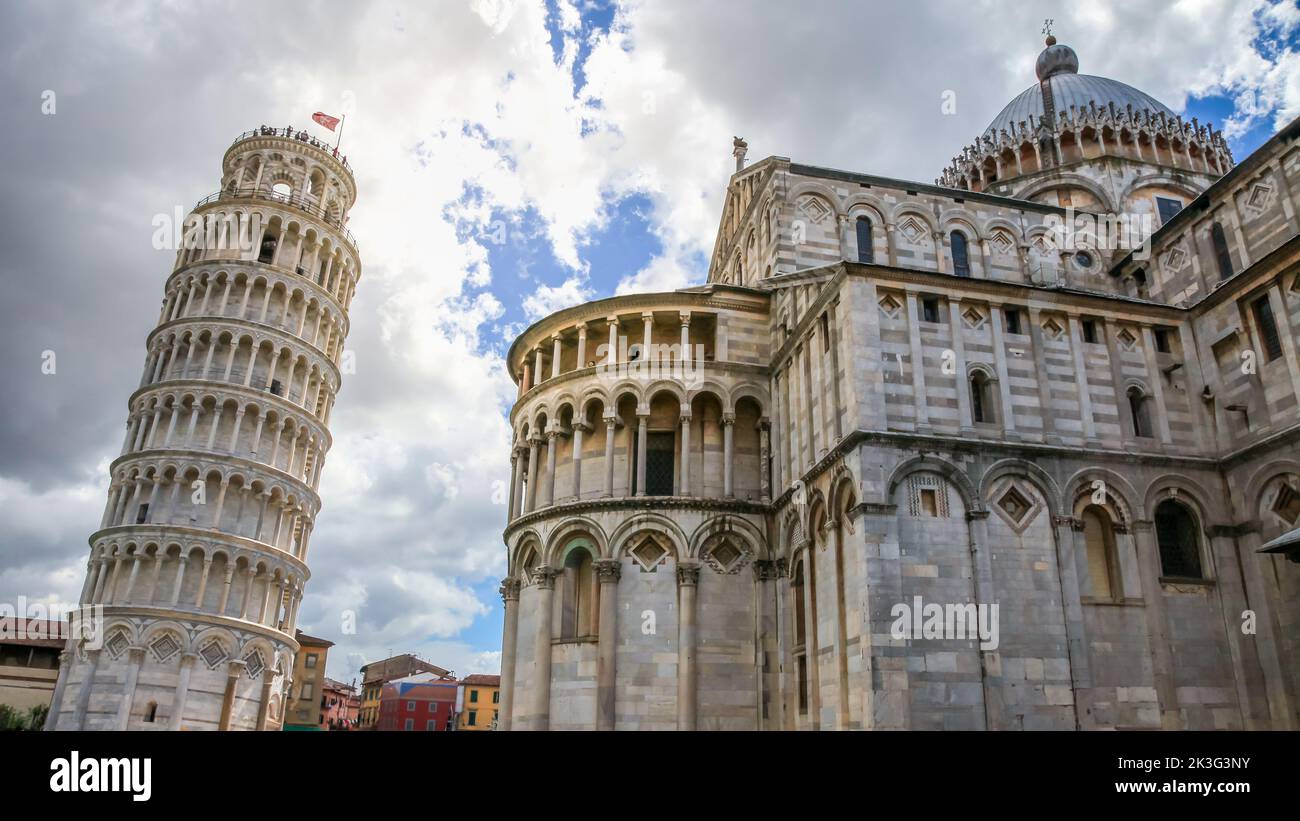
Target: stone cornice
<point>219,462</point>
<point>712,367</point>
<point>252,266</point>
<point>754,301</point>
<point>633,503</point>
<point>934,442</point>
<point>254,395</point>
<point>184,614</point>
<point>186,537</point>
<point>255,329</point>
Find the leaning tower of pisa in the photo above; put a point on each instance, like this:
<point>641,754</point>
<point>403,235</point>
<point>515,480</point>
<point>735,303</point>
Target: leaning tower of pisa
<point>200,560</point>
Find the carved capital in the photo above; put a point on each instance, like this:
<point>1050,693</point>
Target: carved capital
<point>765,570</point>
<point>545,577</point>
<point>688,573</point>
<point>509,589</point>
<point>976,515</point>
<point>608,571</point>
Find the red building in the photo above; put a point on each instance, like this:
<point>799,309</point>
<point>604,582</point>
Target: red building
<point>424,702</point>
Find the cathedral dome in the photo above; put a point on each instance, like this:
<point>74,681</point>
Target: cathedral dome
<point>1058,67</point>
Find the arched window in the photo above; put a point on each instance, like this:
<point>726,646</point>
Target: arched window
<point>1137,408</point>
<point>1221,254</point>
<point>579,595</point>
<point>800,636</point>
<point>981,399</point>
<point>267,252</point>
<point>151,712</point>
<point>1103,567</point>
<point>1180,554</point>
<point>865,251</point>
<point>960,259</point>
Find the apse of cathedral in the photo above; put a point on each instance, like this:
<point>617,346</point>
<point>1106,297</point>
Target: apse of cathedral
<point>1016,449</point>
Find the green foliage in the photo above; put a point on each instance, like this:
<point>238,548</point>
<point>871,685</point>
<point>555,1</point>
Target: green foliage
<point>32,719</point>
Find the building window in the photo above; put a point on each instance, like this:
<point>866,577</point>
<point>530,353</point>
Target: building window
<point>310,662</point>
<point>410,705</point>
<point>660,455</point>
<point>1137,408</point>
<point>1263,312</point>
<point>431,725</point>
<point>825,326</point>
<point>1162,339</point>
<point>1180,555</point>
<point>410,724</point>
<point>1167,208</point>
<point>930,309</point>
<point>472,719</point>
<point>151,712</point>
<point>929,502</point>
<point>1089,330</point>
<point>865,251</point>
<point>1103,567</point>
<point>1221,254</point>
<point>981,399</point>
<point>473,696</point>
<point>960,259</point>
<point>1013,321</point>
<point>800,637</point>
<point>496,696</point>
<point>1140,277</point>
<point>142,514</point>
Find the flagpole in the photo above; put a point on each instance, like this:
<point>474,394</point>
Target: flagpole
<point>342,121</point>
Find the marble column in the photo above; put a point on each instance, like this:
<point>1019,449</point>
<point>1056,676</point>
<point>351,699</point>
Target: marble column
<point>642,426</point>
<point>728,455</point>
<point>684,487</point>
<point>1157,625</point>
<point>135,659</point>
<point>608,572</point>
<point>542,648</point>
<point>1072,611</point>
<point>552,437</point>
<point>509,646</point>
<point>578,429</point>
<point>611,423</point>
<point>688,578</point>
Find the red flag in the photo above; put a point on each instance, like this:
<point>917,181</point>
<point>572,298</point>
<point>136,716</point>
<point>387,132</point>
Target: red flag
<point>325,120</point>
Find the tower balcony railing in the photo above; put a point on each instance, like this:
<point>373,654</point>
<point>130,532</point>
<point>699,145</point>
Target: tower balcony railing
<point>303,204</point>
<point>296,134</point>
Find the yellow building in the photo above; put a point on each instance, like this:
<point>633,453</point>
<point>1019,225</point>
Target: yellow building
<point>480,697</point>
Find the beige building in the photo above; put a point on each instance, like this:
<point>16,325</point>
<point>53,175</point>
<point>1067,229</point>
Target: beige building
<point>305,703</point>
<point>200,561</point>
<point>735,506</point>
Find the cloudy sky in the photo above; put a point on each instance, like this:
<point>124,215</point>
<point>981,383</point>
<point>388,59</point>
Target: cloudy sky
<point>513,158</point>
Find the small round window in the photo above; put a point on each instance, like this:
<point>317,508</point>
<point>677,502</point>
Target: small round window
<point>1083,259</point>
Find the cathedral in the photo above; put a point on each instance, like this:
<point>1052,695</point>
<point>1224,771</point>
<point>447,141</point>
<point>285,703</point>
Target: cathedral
<point>1014,450</point>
